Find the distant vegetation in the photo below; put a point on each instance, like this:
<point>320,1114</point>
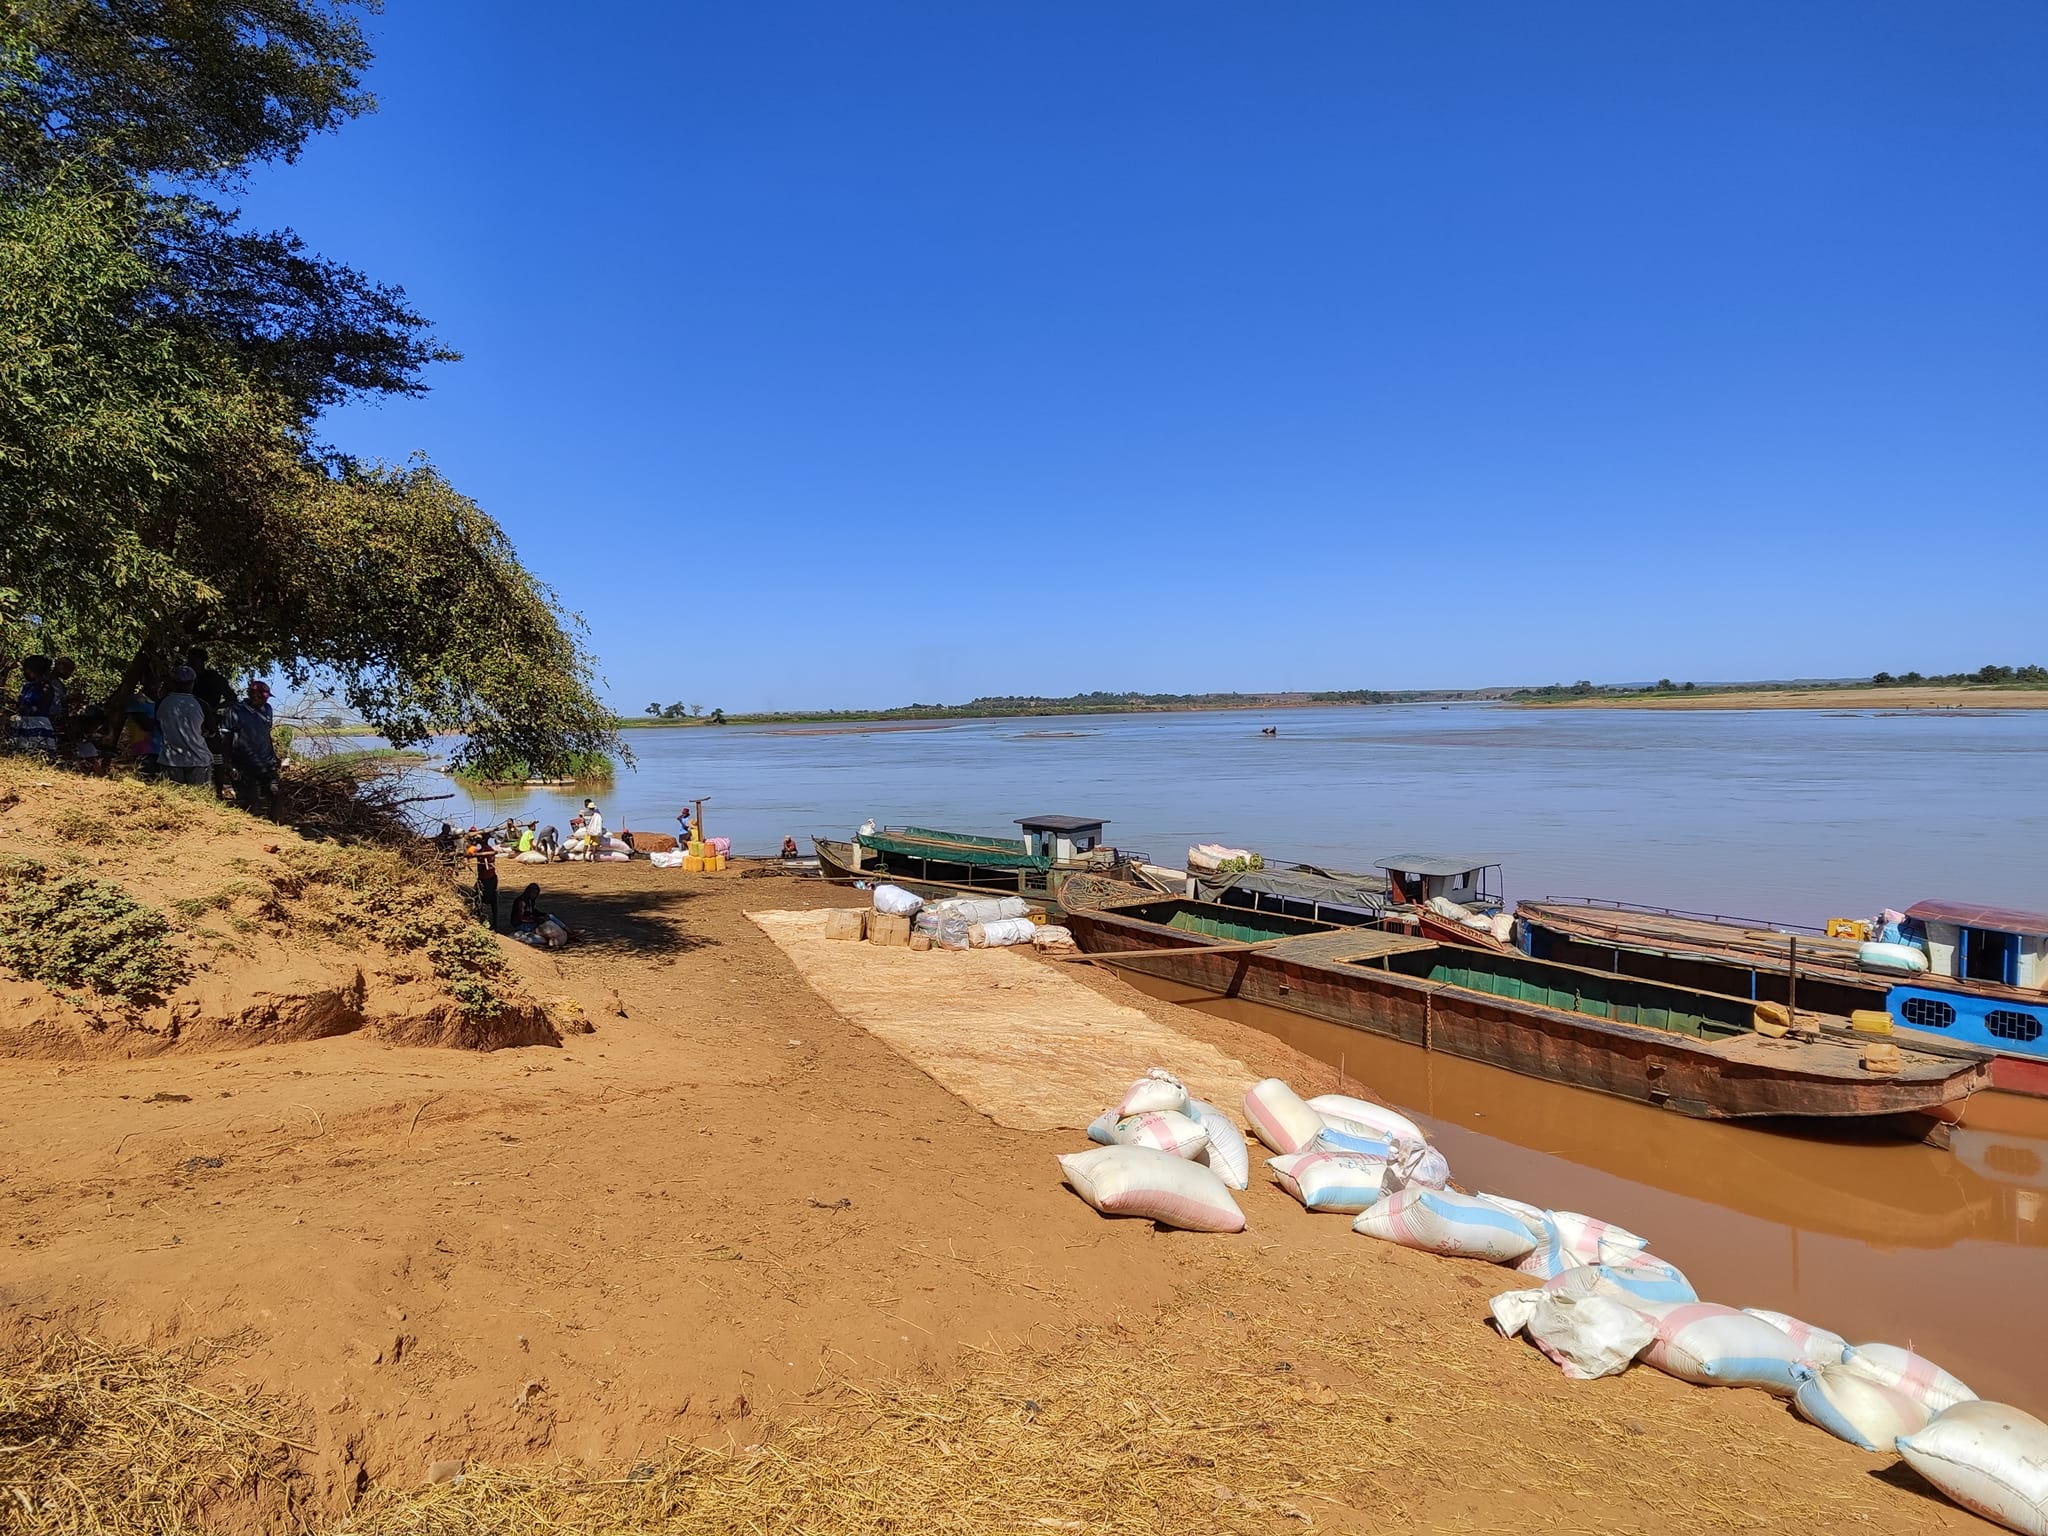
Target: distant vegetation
<point>1984,677</point>
<point>1105,702</point>
<point>580,767</point>
<point>998,706</point>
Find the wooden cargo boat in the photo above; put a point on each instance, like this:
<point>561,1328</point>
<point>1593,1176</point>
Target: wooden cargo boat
<point>1035,866</point>
<point>1986,984</point>
<point>1689,1051</point>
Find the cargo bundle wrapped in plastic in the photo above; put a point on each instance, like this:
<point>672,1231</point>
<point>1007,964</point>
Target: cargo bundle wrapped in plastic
<point>1002,933</point>
<point>1137,1181</point>
<point>983,909</point>
<point>896,901</point>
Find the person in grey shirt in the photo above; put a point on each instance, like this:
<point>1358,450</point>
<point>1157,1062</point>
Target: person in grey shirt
<point>181,719</point>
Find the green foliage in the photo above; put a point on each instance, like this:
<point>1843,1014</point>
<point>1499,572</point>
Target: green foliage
<point>1991,676</point>
<point>162,372</point>
<point>72,932</point>
<point>584,767</point>
<point>373,895</point>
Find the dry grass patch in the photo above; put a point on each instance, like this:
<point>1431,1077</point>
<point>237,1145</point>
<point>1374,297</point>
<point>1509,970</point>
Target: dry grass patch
<point>106,1442</point>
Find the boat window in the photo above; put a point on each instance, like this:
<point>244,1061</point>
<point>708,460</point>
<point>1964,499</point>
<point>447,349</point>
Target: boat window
<point>1989,955</point>
<point>2011,1024</point>
<point>1927,1013</point>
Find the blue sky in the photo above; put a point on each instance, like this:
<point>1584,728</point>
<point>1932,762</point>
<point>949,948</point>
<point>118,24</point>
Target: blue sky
<point>854,353</point>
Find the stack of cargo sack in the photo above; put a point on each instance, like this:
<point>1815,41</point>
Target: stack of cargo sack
<point>1338,1154</point>
<point>1606,1303</point>
<point>1164,1155</point>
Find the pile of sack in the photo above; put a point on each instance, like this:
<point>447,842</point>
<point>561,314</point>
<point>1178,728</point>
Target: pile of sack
<point>969,922</point>
<point>1339,1154</point>
<point>1164,1155</point>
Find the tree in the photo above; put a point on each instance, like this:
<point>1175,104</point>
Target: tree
<point>1882,680</point>
<point>653,711</point>
<point>696,710</point>
<point>1663,685</point>
<point>163,371</point>
<point>675,712</point>
<point>718,717</point>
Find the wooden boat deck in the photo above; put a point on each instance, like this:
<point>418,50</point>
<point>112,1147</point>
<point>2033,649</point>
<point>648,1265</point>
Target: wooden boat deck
<point>1347,944</point>
<point>1761,948</point>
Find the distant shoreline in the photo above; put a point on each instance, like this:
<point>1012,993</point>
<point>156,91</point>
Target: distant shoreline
<point>1902,698</point>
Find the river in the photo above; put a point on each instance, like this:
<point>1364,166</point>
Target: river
<point>1795,815</point>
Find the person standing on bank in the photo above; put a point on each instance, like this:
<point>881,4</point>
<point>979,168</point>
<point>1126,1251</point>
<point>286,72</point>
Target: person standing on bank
<point>485,852</point>
<point>251,752</point>
<point>185,757</point>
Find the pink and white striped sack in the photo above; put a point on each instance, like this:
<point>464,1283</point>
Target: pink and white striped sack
<point>1137,1181</point>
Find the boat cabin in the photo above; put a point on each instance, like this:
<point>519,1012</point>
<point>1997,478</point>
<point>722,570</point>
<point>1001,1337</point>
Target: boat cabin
<point>1061,839</point>
<point>2000,945</point>
<point>1422,877</point>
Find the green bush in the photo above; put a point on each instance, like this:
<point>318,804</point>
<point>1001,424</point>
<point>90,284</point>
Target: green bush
<point>373,895</point>
<point>71,931</point>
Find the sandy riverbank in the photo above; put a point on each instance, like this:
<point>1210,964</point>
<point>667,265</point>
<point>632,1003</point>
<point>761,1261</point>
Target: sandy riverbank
<point>1971,699</point>
<point>732,1218</point>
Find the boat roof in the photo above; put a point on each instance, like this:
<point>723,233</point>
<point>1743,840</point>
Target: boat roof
<point>1970,914</point>
<point>1060,823</point>
<point>1434,863</point>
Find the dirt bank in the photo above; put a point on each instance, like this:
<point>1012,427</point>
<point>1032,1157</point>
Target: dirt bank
<point>1817,698</point>
<point>729,1217</point>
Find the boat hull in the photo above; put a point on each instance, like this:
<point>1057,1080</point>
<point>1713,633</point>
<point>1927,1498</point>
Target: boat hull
<point>838,862</point>
<point>1738,1079</point>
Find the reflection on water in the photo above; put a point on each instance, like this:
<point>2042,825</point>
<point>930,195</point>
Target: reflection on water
<point>1878,1239</point>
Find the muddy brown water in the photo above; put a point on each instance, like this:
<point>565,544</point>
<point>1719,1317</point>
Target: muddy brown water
<point>1879,1239</point>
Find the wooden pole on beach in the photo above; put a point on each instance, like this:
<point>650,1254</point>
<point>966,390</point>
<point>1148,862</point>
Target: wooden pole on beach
<point>1792,980</point>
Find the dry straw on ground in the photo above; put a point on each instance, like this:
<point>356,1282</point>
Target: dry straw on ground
<point>107,1442</point>
<point>1238,1411</point>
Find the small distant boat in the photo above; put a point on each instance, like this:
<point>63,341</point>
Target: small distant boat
<point>1685,1050</point>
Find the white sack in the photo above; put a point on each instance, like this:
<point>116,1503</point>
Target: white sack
<point>896,901</point>
<point>1641,1280</point>
<point>1377,1119</point>
<point>1336,1182</point>
<point>1163,1131</point>
<point>1715,1346</point>
<point>1136,1181</point>
<point>1584,1336</point>
<point>1052,936</point>
<point>1988,1458</point>
<point>1226,1152</point>
<point>984,909</point>
<point>1279,1118</point>
<point>1821,1347</point>
<point>1002,933</point>
<point>1915,1375</point>
<point>1868,1416</point>
<point>1441,1221</point>
<point>1154,1093</point>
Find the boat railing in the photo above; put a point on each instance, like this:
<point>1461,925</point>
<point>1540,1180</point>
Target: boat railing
<point>1608,905</point>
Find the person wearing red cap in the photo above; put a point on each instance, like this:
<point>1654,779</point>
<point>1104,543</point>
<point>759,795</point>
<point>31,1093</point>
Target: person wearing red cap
<point>251,750</point>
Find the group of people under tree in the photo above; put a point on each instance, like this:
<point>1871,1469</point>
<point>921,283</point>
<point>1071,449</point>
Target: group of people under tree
<point>184,722</point>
